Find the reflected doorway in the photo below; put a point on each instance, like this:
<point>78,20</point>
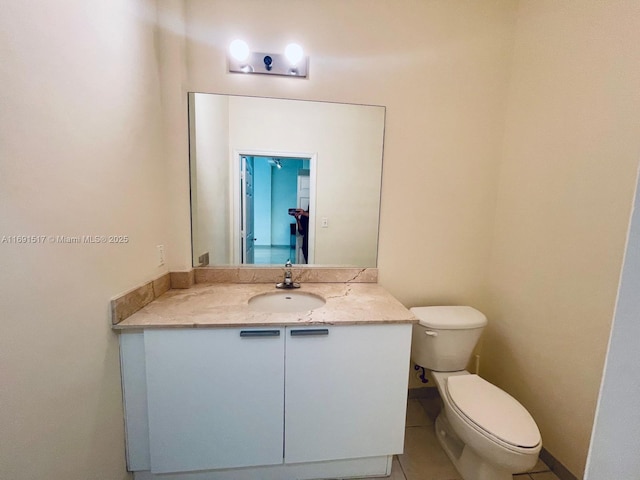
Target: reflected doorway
<point>272,187</point>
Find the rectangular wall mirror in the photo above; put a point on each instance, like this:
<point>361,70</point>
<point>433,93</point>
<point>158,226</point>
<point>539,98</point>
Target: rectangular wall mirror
<point>275,179</point>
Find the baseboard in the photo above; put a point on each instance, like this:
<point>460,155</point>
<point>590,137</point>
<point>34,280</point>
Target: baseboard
<point>556,466</point>
<point>349,468</point>
<point>423,392</point>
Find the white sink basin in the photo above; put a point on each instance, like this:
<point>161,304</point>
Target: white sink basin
<point>286,301</point>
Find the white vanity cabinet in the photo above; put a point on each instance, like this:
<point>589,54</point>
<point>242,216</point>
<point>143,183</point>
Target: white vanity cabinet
<point>293,402</point>
<point>214,398</point>
<point>345,391</point>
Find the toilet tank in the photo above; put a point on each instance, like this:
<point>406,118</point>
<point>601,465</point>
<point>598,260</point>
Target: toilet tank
<point>444,339</point>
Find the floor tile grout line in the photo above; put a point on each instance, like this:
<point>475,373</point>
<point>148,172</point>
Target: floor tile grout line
<point>404,475</point>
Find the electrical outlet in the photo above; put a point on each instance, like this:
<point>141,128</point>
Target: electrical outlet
<point>160,255</point>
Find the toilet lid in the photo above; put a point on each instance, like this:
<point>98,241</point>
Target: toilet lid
<point>493,410</point>
<point>449,318</point>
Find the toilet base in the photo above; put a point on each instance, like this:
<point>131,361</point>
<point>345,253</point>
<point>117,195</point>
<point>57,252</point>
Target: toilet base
<point>467,462</point>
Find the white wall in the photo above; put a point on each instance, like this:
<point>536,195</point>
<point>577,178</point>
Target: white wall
<point>80,154</point>
<point>616,434</point>
<point>571,151</point>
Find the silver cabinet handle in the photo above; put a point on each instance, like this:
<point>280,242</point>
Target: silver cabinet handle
<point>259,333</point>
<point>310,332</point>
<point>431,333</point>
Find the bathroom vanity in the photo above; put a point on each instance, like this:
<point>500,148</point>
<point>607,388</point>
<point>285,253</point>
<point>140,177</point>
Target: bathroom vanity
<point>218,388</point>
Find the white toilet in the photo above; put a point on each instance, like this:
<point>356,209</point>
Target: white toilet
<point>487,434</point>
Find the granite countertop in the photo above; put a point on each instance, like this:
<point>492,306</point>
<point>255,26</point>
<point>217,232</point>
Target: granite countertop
<point>226,305</point>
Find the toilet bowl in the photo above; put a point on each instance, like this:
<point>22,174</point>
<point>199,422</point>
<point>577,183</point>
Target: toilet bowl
<point>486,433</point>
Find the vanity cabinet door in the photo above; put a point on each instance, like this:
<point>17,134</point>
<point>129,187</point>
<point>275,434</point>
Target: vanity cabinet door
<point>345,391</point>
<point>215,398</point>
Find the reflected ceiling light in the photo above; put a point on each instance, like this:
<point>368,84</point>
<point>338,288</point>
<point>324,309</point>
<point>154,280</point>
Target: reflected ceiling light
<point>292,64</point>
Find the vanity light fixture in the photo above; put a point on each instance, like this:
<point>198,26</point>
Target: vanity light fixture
<point>292,63</point>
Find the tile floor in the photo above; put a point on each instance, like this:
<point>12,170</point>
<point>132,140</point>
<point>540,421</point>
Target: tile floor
<point>424,459</point>
<point>273,255</point>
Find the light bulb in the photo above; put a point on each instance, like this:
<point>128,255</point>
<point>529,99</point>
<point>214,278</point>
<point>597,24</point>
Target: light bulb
<point>239,50</point>
<point>294,53</point>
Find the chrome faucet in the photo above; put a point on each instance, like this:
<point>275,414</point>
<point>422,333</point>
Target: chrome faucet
<point>288,280</point>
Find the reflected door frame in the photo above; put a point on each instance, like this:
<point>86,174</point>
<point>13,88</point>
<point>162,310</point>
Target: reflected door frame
<point>247,206</point>
<point>236,187</point>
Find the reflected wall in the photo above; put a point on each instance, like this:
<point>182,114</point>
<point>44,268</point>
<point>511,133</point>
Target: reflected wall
<point>345,141</point>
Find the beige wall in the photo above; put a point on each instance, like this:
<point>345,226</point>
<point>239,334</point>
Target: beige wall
<point>80,154</point>
<point>82,138</point>
<point>210,182</point>
<point>346,144</point>
<point>440,68</point>
<point>86,149</point>
<point>571,150</point>
<point>171,53</point>
<point>562,155</point>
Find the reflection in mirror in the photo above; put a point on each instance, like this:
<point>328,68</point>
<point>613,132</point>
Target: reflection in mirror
<point>275,179</point>
<point>275,210</point>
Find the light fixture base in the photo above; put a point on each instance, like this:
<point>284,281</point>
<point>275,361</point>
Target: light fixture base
<point>259,62</point>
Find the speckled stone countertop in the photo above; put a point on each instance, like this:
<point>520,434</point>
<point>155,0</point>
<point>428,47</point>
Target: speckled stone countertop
<point>226,305</point>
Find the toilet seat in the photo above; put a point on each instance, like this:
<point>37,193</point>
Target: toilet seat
<point>493,412</point>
